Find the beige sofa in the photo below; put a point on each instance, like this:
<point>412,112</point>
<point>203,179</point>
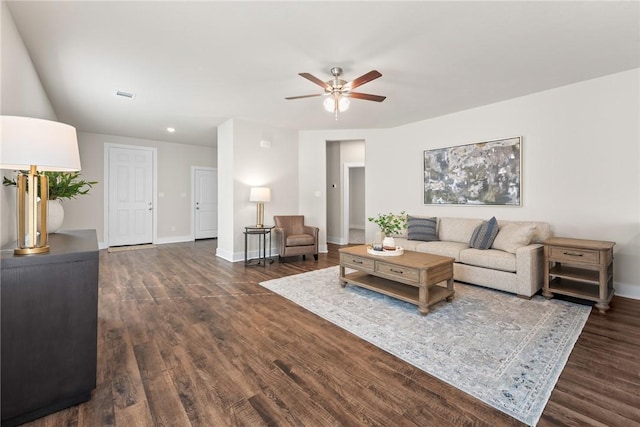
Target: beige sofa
<point>516,266</point>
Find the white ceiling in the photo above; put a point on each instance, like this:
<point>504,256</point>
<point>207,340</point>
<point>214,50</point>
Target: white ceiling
<point>193,65</point>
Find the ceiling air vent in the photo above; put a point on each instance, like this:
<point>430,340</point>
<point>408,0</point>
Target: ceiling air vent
<point>125,94</point>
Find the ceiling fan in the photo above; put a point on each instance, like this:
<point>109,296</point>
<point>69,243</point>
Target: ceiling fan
<point>339,91</point>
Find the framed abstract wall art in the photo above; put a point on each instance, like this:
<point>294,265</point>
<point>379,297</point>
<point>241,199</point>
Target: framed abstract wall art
<point>486,173</point>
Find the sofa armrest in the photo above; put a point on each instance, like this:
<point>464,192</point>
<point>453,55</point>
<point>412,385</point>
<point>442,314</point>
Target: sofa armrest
<point>530,269</point>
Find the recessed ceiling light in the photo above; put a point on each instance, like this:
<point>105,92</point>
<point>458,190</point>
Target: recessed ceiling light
<point>171,130</point>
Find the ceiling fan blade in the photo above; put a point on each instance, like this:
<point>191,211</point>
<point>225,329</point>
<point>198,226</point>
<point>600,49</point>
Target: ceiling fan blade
<point>365,96</point>
<point>304,96</point>
<point>365,78</point>
<point>315,80</point>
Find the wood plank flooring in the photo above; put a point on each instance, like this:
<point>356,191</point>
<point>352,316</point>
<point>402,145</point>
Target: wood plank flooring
<point>187,339</point>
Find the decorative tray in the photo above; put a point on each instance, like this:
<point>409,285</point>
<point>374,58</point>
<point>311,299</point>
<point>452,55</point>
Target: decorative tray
<point>385,252</point>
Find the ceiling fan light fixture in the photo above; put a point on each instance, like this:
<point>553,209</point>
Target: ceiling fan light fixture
<point>343,103</point>
<point>329,104</point>
<point>336,103</point>
<point>339,91</point>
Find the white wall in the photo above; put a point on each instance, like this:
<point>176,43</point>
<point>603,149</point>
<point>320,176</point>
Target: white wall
<point>22,95</point>
<point>333,190</point>
<point>226,219</point>
<point>357,213</point>
<point>174,209</point>
<point>245,164</point>
<point>580,164</point>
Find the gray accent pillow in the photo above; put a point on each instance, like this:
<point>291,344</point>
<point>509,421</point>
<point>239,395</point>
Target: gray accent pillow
<point>423,229</point>
<point>484,234</point>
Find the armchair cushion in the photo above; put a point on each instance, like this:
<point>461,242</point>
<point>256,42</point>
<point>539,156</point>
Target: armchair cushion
<point>300,240</point>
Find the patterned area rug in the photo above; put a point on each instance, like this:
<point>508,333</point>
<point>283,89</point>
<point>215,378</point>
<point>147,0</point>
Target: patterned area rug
<point>503,350</point>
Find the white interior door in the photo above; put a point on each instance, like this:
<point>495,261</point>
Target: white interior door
<point>206,203</point>
<point>130,196</point>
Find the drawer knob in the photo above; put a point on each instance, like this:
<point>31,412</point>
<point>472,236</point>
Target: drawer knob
<point>396,271</point>
<point>572,254</point>
<point>356,261</point>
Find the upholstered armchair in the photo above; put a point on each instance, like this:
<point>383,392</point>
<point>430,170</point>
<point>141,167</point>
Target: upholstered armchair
<point>295,237</point>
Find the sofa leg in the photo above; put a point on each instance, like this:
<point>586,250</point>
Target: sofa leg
<point>304,257</point>
<point>280,259</point>
<point>315,257</point>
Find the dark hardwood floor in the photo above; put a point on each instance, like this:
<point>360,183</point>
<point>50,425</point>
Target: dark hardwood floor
<point>187,339</point>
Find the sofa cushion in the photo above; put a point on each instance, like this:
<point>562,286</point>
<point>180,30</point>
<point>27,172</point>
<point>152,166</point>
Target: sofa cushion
<point>542,229</point>
<point>457,229</point>
<point>450,249</point>
<point>423,229</point>
<point>484,234</point>
<point>491,258</point>
<point>513,236</point>
<point>406,244</point>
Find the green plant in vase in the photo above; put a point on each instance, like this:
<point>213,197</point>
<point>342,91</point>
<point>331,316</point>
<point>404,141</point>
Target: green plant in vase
<point>390,224</point>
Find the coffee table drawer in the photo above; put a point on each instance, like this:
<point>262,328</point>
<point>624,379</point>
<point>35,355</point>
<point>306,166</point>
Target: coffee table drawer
<point>359,263</point>
<point>404,273</point>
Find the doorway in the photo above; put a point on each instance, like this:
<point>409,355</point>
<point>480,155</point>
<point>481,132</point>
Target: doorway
<point>353,204</point>
<point>205,202</point>
<point>130,180</point>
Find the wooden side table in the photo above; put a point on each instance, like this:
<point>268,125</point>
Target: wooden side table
<point>579,268</point>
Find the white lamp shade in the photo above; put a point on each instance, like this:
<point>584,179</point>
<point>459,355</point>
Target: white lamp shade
<point>260,194</point>
<point>25,141</point>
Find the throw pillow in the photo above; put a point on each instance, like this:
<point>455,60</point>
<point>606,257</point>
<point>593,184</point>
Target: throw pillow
<point>484,234</point>
<point>513,236</point>
<point>423,229</point>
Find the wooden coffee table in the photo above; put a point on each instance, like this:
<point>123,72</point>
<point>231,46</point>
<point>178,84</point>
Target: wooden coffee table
<point>412,277</point>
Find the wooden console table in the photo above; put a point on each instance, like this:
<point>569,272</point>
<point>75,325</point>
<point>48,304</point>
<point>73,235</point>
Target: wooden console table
<point>412,277</point>
<point>579,268</point>
<point>49,305</point>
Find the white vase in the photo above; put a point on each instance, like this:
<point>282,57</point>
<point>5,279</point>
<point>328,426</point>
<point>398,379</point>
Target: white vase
<point>389,243</point>
<point>55,215</point>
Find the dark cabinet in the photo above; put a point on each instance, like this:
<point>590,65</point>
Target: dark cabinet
<point>49,315</point>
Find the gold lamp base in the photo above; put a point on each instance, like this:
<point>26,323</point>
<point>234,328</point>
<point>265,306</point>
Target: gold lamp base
<point>260,216</point>
<point>30,216</point>
<point>30,251</point>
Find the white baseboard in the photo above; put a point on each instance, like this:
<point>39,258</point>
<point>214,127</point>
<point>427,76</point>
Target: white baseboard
<point>159,241</point>
<point>173,239</point>
<point>627,291</point>
<point>336,241</point>
<point>226,255</point>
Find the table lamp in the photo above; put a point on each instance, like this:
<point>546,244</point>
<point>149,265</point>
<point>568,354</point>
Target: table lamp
<point>35,145</point>
<point>260,195</point>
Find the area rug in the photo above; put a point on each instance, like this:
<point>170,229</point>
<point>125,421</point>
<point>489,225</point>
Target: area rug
<point>503,350</point>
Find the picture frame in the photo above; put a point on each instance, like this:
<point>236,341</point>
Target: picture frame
<point>479,174</point>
